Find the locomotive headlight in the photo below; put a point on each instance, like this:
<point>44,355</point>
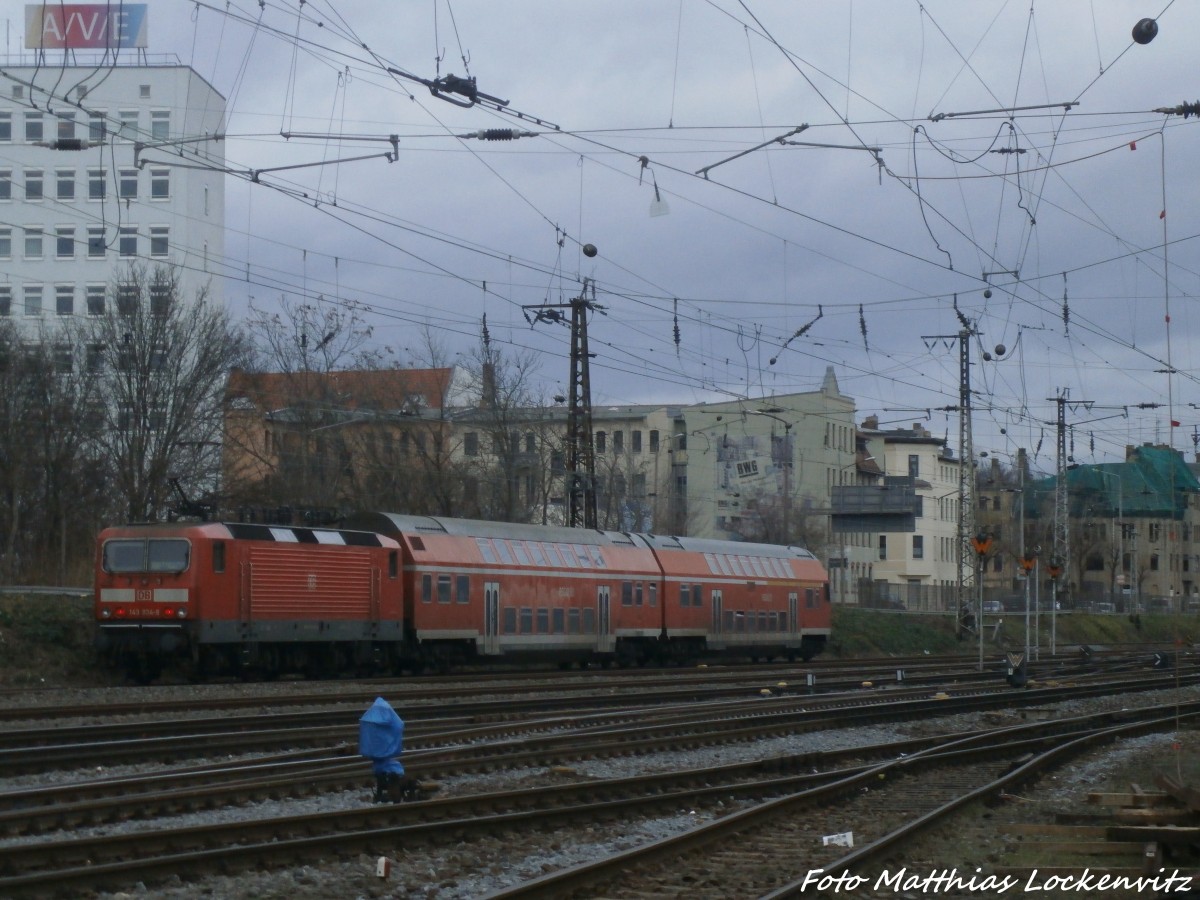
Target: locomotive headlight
<point>181,612</point>
<point>105,613</point>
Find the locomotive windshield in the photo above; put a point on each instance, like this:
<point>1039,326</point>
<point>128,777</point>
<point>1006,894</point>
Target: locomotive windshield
<point>139,555</point>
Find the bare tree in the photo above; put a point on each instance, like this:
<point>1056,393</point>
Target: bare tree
<point>51,491</point>
<point>162,360</point>
<point>515,431</point>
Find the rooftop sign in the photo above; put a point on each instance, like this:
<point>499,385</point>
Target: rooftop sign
<point>85,26</point>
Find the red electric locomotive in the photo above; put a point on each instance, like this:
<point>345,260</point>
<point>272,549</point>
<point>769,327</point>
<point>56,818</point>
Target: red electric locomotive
<point>224,598</point>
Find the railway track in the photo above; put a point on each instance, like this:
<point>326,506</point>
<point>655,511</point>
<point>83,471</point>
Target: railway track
<point>878,790</point>
<point>24,751</point>
<point>778,848</point>
<point>25,704</point>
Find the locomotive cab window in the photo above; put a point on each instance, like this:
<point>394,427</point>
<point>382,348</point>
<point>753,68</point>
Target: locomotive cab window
<point>393,564</point>
<point>218,556</point>
<point>136,555</point>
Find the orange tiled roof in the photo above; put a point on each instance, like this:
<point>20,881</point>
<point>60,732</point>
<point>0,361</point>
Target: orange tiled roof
<point>350,389</point>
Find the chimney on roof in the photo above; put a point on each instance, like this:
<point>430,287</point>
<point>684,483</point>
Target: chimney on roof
<point>871,423</point>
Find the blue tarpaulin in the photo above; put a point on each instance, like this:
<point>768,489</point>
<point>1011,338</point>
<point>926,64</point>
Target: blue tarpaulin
<point>381,737</point>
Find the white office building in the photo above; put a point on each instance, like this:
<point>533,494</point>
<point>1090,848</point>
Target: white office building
<point>103,165</point>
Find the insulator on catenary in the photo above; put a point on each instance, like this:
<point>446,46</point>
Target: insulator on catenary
<point>1183,109</point>
<point>499,134</point>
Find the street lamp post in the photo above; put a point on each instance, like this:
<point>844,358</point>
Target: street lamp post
<point>1028,561</point>
<point>1120,529</point>
<point>1037,606</point>
<point>1054,570</point>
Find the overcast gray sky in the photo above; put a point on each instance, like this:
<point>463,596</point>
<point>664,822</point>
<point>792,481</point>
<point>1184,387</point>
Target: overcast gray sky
<point>1001,158</point>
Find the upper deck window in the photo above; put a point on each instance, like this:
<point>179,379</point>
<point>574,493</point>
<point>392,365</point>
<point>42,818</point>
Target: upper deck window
<point>142,555</point>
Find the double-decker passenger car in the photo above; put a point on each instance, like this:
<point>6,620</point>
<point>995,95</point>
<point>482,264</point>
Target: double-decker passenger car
<point>755,600</point>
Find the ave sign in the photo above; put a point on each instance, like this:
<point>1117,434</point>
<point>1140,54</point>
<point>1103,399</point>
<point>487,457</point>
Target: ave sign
<point>84,26</point>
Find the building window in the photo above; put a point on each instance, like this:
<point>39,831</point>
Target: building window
<point>64,242</point>
<point>127,185</point>
<point>127,241</point>
<point>914,466</point>
<point>471,443</point>
<point>5,184</point>
<point>160,300</point>
<point>618,442</point>
<point>883,546</point>
<point>33,127</point>
<point>918,546</point>
<point>158,358</point>
<point>64,180</point>
<point>34,181</point>
<point>5,243</point>
<point>5,127</point>
<point>33,243</point>
<point>33,299</point>
<point>127,299</point>
<point>64,299</point>
<point>601,441</point>
<point>635,440</point>
<point>5,300</point>
<point>159,235</point>
<point>96,184</point>
<point>144,91</point>
<point>160,125</point>
<point>95,247</point>
<point>160,184</point>
<point>66,126</point>
<point>95,299</point>
<point>63,360</point>
<point>96,127</point>
<point>129,125</point>
<point>95,358</point>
